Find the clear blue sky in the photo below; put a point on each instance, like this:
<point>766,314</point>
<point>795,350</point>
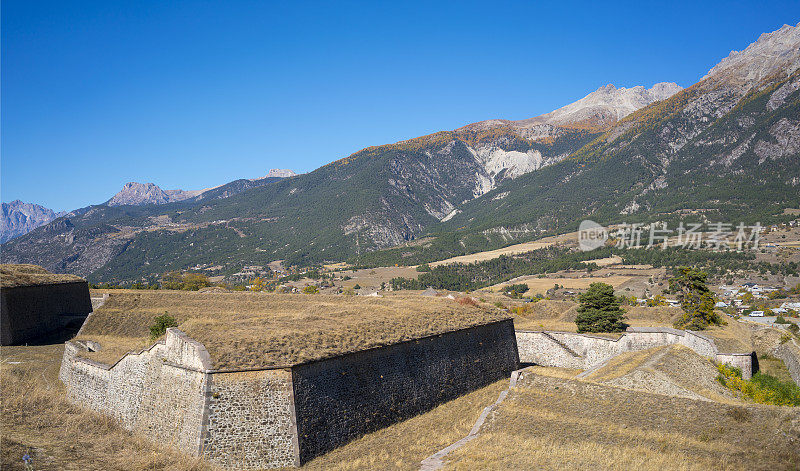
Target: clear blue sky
<point>195,94</point>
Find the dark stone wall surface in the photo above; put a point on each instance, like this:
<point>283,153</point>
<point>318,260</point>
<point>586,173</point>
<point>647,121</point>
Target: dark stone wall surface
<point>341,398</point>
<point>29,312</point>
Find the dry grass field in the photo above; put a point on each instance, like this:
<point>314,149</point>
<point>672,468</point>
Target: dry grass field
<point>569,238</point>
<point>373,277</point>
<point>245,329</point>
<point>538,285</point>
<point>673,370</point>
<point>557,423</point>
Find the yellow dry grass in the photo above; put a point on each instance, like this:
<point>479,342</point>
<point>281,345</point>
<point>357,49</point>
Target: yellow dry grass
<point>623,364</point>
<point>604,262</point>
<point>262,329</point>
<point>13,275</point>
<point>673,370</point>
<point>555,423</point>
<point>570,237</point>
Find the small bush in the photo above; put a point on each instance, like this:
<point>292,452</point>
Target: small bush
<point>795,329</point>
<point>739,414</point>
<point>162,323</point>
<point>424,268</point>
<point>310,290</point>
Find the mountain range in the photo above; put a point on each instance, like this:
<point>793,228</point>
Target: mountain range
<point>725,148</point>
<point>19,218</point>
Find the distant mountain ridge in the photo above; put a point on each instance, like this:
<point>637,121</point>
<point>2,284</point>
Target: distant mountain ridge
<point>725,148</point>
<point>137,194</point>
<point>597,110</point>
<point>19,218</point>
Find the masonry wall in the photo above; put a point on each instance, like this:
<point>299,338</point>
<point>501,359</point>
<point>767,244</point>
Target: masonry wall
<point>342,398</point>
<point>251,420</point>
<point>158,391</point>
<point>280,417</point>
<point>789,352</point>
<point>29,312</point>
<point>584,351</point>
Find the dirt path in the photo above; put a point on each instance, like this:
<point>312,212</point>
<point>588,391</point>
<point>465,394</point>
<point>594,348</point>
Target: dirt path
<point>436,460</point>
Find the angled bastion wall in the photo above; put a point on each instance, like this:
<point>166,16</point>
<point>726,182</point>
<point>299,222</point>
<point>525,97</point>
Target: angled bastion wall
<point>341,398</point>
<point>284,416</point>
<point>585,351</point>
<point>158,391</point>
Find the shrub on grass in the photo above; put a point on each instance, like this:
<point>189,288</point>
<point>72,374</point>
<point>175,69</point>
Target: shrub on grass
<point>162,323</point>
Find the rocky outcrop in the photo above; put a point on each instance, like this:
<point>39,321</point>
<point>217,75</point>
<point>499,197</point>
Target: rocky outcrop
<point>775,52</point>
<point>137,194</point>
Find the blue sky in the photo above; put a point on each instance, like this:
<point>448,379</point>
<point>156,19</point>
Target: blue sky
<point>195,94</point>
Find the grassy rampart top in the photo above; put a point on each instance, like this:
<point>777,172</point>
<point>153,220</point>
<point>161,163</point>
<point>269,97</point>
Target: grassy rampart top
<point>243,330</point>
<point>12,276</point>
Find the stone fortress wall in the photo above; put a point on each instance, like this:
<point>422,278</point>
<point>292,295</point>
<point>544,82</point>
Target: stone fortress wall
<point>284,416</point>
<point>789,352</point>
<point>585,351</point>
<point>159,391</point>
<point>32,311</point>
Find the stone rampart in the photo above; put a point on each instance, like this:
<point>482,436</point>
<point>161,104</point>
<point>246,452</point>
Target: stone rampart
<point>29,312</point>
<point>277,417</point>
<point>585,351</point>
<point>347,396</point>
<point>789,352</point>
<point>156,391</point>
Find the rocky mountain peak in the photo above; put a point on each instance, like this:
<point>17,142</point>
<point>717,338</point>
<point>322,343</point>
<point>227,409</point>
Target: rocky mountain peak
<point>279,173</point>
<point>778,51</point>
<point>135,193</point>
<point>597,110</point>
<point>609,104</point>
